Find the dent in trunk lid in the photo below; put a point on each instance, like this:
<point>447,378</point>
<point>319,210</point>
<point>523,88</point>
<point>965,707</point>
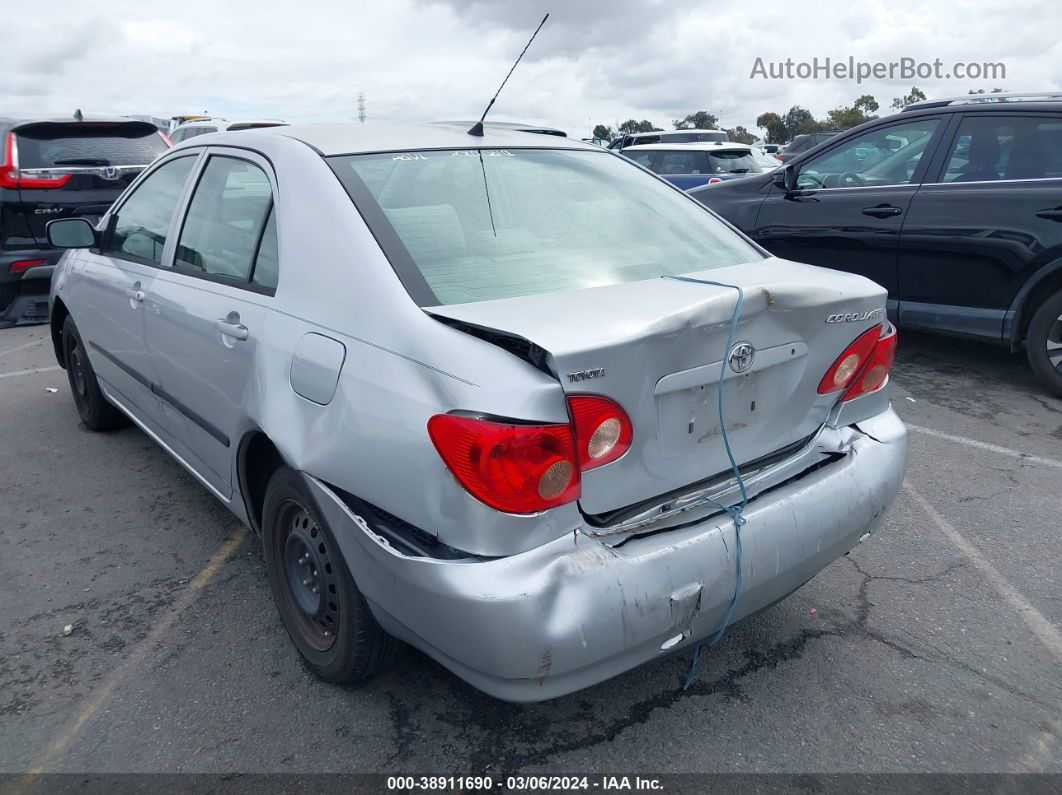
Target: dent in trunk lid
<point>656,348</point>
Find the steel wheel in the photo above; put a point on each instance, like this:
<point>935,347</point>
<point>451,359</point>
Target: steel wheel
<point>309,581</point>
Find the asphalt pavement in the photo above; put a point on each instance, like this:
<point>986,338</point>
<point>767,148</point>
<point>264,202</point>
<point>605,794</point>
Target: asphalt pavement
<point>935,646</point>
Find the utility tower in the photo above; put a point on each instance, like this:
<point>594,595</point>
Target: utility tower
<point>361,106</point>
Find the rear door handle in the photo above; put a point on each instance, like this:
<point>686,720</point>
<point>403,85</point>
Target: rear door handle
<point>135,294</point>
<point>882,211</point>
<point>1051,215</point>
<point>237,331</point>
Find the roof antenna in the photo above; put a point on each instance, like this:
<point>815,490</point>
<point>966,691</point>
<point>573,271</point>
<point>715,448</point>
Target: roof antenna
<point>477,128</point>
<point>78,115</point>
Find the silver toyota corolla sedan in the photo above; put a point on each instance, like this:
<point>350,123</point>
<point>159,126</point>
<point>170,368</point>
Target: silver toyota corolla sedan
<point>469,389</point>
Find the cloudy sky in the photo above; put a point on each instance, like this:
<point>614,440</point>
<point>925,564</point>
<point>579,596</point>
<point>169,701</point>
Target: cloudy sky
<point>602,61</point>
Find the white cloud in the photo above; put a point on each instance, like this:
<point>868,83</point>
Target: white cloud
<point>424,59</point>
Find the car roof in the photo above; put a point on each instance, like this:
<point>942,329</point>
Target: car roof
<point>343,138</point>
<point>699,146</point>
<point>672,132</point>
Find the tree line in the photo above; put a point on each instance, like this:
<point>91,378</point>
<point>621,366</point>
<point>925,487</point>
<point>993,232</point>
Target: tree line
<point>777,128</point>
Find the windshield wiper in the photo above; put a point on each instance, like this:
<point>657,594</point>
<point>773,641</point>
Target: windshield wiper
<point>83,161</point>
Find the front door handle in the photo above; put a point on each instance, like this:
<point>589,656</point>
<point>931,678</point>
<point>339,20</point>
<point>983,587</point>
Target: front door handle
<point>1051,215</point>
<point>135,295</point>
<point>882,211</point>
<point>236,331</point>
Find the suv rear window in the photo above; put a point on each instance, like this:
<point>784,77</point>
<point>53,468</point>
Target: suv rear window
<point>477,225</point>
<point>51,145</point>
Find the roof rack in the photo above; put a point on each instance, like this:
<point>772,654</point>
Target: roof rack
<point>981,99</point>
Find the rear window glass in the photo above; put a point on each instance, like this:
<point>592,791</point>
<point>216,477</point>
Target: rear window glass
<point>57,145</point>
<point>478,225</point>
<point>740,162</point>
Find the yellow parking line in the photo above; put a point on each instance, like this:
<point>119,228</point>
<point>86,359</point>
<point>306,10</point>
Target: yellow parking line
<point>67,735</point>
<point>1036,621</point>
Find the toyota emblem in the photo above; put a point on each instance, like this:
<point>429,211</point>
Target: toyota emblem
<point>741,357</point>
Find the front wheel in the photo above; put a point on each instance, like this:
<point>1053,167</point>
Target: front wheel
<point>1043,343</point>
<point>95,410</point>
<point>322,609</point>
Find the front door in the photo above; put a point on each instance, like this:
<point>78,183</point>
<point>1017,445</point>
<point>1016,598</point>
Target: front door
<point>850,201</point>
<point>209,307</point>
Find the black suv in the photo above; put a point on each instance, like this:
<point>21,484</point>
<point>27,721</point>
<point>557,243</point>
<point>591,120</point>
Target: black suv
<point>803,143</point>
<point>954,206</point>
<point>55,168</point>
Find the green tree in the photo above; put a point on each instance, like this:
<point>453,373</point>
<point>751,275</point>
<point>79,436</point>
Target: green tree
<point>860,111</point>
<point>799,121</point>
<point>632,126</point>
<point>701,120</point>
<point>603,132</point>
<point>740,135</point>
<point>774,127</point>
<point>916,95</point>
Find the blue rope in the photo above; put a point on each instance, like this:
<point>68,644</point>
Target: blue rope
<point>735,511</point>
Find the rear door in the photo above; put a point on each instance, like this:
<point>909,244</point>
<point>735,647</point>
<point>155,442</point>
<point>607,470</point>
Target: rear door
<point>207,310</point>
<point>986,219</point>
<point>109,291</point>
<point>850,200</point>
<point>78,169</point>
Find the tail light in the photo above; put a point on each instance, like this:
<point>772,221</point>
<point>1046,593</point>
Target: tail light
<point>511,468</point>
<point>24,265</point>
<point>11,177</point>
<point>530,468</point>
<point>166,139</point>
<point>864,365</point>
<point>603,430</point>
<point>714,180</point>
<point>876,371</point>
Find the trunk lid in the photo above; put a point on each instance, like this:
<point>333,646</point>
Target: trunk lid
<point>656,347</point>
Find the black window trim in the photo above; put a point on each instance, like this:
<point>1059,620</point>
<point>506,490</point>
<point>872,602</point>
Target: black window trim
<point>185,205</point>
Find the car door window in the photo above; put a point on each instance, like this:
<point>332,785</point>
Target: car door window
<point>996,147</point>
<point>143,220</point>
<point>884,156</point>
<point>226,218</point>
<point>267,261</point>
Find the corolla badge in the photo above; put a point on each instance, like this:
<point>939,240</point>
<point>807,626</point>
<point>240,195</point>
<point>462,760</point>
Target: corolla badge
<point>741,357</point>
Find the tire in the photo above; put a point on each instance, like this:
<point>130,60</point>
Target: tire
<point>96,412</point>
<point>1043,343</point>
<point>331,627</point>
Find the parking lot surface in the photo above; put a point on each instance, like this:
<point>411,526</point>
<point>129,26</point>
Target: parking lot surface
<point>934,646</point>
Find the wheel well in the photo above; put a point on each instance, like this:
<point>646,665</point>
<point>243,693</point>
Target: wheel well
<point>1040,293</point>
<point>59,316</point>
<point>258,460</point>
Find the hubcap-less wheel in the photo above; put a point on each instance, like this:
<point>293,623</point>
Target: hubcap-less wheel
<point>1054,344</point>
<point>75,358</point>
<point>309,576</point>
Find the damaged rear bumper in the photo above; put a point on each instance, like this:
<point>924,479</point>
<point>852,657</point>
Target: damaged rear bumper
<point>576,611</point>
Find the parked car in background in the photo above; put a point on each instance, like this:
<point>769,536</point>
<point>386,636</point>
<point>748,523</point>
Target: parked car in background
<point>57,168</point>
<point>768,162</point>
<point>954,206</point>
<point>203,127</point>
<point>803,143</point>
<point>695,164</point>
<point>669,137</point>
<point>442,377</point>
<point>770,149</point>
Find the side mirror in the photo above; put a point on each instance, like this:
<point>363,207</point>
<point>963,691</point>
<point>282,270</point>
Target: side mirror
<point>785,178</point>
<point>71,233</point>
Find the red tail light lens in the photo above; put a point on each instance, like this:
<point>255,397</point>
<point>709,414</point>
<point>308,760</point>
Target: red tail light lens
<point>850,363</point>
<point>25,264</point>
<point>603,430</point>
<point>876,371</point>
<point>714,181</point>
<point>11,177</point>
<point>511,468</point>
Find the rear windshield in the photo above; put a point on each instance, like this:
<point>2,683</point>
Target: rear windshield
<point>477,225</point>
<point>57,145</point>
<point>739,162</point>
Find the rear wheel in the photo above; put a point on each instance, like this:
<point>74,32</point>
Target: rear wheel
<point>93,408</point>
<point>322,609</point>
<point>1043,343</point>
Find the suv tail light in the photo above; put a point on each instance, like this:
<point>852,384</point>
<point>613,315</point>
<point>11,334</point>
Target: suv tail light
<point>511,468</point>
<point>714,181</point>
<point>11,177</point>
<point>864,365</point>
<point>603,430</point>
